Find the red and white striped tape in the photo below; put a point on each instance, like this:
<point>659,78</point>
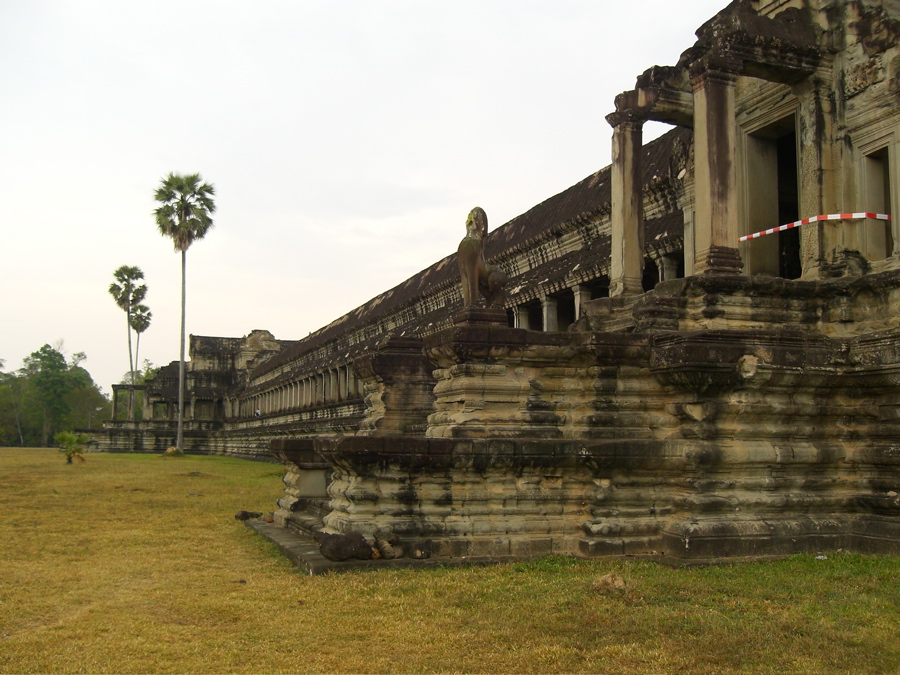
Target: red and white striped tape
<point>830,216</point>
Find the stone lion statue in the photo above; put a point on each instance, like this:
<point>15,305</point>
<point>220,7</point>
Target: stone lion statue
<point>477,275</point>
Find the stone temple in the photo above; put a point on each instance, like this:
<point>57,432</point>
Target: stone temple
<point>653,384</point>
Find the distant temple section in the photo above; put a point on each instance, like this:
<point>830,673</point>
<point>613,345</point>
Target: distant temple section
<point>657,382</point>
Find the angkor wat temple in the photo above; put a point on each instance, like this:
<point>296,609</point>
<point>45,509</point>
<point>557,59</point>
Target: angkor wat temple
<point>654,385</point>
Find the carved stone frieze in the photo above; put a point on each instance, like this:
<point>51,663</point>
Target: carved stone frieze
<point>861,76</point>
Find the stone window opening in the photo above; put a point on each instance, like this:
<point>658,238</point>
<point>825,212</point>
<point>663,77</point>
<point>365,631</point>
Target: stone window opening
<point>878,234</point>
<point>529,315</point>
<point>598,287</point>
<point>565,309</point>
<point>650,276</point>
<point>772,197</point>
<point>671,266</point>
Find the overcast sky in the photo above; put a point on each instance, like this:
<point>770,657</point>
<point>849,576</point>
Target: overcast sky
<point>347,142</point>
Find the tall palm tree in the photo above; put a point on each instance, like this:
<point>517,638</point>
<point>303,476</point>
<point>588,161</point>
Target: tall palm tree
<point>128,292</point>
<point>140,321</point>
<point>185,215</point>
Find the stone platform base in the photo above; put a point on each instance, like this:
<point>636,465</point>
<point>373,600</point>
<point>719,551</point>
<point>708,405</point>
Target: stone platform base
<point>304,554</point>
<point>673,500</point>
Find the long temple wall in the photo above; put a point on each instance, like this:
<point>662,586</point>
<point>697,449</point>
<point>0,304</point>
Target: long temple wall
<point>652,385</point>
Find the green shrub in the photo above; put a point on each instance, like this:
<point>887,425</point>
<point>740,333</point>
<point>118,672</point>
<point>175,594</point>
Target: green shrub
<point>72,444</point>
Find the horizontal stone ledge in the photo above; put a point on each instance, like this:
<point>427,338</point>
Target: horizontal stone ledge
<point>299,451</point>
<point>885,453</point>
<point>361,453</point>
<point>459,343</point>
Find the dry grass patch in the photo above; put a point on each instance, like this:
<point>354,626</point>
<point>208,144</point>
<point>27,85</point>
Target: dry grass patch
<point>133,563</point>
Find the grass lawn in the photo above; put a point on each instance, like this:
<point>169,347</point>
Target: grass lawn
<point>135,564</point>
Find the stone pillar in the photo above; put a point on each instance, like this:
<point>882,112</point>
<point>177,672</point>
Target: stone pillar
<point>821,187</point>
<point>342,383</point>
<point>668,268</point>
<point>522,317</point>
<point>582,294</point>
<point>715,172</point>
<point>627,215</point>
<point>551,317</point>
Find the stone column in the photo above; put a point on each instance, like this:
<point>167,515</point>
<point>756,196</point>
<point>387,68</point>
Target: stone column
<point>582,294</point>
<point>351,383</point>
<point>522,317</point>
<point>668,268</point>
<point>715,172</point>
<point>342,383</point>
<point>551,317</point>
<point>822,188</point>
<point>627,215</point>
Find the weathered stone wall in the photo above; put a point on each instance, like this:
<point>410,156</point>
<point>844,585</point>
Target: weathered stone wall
<point>692,445</point>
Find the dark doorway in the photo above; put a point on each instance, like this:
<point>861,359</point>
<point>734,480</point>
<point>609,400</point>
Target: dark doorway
<point>773,200</point>
<point>788,207</point>
<point>565,310</point>
<point>651,275</point>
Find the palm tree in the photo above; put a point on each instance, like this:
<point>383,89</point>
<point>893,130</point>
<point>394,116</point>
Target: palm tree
<point>140,321</point>
<point>185,215</point>
<point>128,293</point>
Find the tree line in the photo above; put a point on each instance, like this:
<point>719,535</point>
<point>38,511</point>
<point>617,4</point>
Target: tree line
<point>48,394</point>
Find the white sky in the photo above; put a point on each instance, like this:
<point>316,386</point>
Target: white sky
<point>347,142</point>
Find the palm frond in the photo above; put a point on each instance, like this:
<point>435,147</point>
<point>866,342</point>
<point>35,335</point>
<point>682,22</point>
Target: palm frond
<point>186,205</point>
<point>140,318</point>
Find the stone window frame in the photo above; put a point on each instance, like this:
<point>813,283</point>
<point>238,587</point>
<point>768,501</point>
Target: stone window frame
<point>866,144</point>
<point>747,125</point>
